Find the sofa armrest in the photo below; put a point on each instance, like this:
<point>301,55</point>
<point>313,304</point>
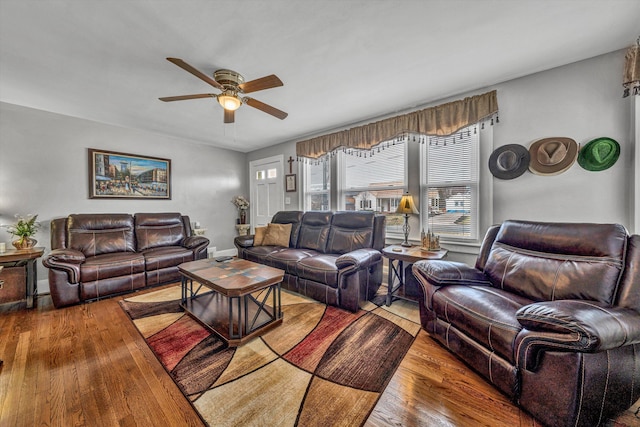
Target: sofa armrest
<point>193,242</point>
<point>198,244</point>
<point>358,259</point>
<point>445,273</point>
<point>574,325</point>
<point>595,326</point>
<point>67,260</point>
<point>243,241</point>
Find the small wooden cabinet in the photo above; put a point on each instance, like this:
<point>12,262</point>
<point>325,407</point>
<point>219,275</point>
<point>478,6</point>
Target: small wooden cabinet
<point>13,284</point>
<point>19,275</point>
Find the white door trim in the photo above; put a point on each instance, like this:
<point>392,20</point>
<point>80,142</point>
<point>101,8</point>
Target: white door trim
<point>255,165</point>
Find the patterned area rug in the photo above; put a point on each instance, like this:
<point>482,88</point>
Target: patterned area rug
<point>323,366</point>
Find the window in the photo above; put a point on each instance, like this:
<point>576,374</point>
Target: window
<point>317,185</point>
<point>449,185</point>
<point>269,173</point>
<point>374,181</point>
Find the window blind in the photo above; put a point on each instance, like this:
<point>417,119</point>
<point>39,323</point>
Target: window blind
<point>450,185</point>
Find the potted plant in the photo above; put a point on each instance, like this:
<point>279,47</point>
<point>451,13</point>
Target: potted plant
<point>25,228</point>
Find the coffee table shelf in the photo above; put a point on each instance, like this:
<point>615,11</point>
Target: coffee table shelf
<point>228,318</point>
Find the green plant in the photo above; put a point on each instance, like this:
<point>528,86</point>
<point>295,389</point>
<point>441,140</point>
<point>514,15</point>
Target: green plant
<point>24,228</point>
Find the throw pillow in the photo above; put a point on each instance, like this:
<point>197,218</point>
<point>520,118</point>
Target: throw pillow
<point>277,235</point>
<point>258,237</point>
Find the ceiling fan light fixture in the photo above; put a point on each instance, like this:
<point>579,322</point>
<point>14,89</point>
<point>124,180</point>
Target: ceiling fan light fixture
<point>229,102</point>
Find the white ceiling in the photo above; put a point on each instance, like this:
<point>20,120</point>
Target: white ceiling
<point>341,61</point>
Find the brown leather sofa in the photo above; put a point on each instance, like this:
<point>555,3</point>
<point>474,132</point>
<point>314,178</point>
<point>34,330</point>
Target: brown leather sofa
<point>100,255</point>
<point>332,257</point>
<point>550,315</point>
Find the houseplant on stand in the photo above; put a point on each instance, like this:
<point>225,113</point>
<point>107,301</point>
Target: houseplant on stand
<point>24,229</point>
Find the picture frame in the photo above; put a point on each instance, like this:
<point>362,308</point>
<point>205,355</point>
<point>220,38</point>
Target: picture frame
<point>114,175</point>
<point>290,182</point>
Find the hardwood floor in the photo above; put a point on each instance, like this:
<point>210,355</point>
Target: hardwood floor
<point>87,365</point>
<point>84,365</point>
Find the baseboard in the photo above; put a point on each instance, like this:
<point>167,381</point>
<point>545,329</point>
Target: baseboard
<point>213,252</point>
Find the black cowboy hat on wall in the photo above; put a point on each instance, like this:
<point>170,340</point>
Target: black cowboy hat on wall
<point>509,161</point>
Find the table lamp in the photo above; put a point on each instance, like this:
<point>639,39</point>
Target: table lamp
<point>406,207</point>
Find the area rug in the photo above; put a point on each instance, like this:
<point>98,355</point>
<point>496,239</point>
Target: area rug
<point>322,367</point>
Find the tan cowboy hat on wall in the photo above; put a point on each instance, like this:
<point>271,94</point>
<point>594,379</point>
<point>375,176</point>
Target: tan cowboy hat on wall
<point>552,156</point>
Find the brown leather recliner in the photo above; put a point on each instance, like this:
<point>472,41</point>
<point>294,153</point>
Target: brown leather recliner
<point>550,315</point>
<point>98,255</point>
<point>332,257</point>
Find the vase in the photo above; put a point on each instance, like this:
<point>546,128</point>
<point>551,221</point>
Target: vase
<point>24,243</point>
<point>243,216</point>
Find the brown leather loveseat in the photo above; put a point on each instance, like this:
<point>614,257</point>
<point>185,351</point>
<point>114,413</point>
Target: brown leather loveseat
<point>550,315</point>
<point>332,257</point>
<point>99,255</point>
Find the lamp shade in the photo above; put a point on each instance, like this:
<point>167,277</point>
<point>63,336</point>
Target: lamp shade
<point>406,205</point>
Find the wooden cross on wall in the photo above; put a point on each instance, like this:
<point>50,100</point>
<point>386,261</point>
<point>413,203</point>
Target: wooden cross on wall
<point>290,161</point>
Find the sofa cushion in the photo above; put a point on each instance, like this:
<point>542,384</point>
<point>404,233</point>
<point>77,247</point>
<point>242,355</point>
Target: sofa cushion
<point>259,253</point>
<point>116,264</point>
<point>96,234</point>
<point>350,231</point>
<point>486,314</point>
<point>277,235</point>
<point>258,237</point>
<point>314,231</point>
<point>319,268</point>
<point>551,261</point>
<point>159,229</point>
<point>287,259</point>
<point>166,256</point>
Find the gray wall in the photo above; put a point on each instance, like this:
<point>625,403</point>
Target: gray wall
<point>43,170</point>
<point>582,101</point>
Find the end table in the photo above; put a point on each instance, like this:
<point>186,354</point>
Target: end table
<point>398,256</point>
<point>23,263</point>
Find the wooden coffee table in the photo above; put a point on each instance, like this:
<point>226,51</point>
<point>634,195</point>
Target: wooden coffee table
<point>231,298</point>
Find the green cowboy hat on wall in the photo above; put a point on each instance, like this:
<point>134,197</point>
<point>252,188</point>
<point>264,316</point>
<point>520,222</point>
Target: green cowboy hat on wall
<point>599,154</point>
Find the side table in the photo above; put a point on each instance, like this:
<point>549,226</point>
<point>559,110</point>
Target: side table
<point>16,260</point>
<point>398,256</point>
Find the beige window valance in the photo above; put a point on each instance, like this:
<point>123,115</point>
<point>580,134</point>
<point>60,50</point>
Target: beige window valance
<point>441,120</point>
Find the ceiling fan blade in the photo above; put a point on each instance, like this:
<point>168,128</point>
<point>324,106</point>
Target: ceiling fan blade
<point>183,97</point>
<point>262,83</point>
<point>229,116</point>
<point>199,74</point>
<point>266,108</point>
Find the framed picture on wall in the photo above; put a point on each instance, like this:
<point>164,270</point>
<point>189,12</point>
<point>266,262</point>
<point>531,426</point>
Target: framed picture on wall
<point>115,175</point>
<point>290,182</point>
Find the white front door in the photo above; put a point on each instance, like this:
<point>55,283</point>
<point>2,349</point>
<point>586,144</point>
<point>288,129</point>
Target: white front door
<point>267,189</point>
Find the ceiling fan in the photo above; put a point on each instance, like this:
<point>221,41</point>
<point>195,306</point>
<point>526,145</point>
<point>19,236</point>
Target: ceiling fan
<point>232,85</point>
